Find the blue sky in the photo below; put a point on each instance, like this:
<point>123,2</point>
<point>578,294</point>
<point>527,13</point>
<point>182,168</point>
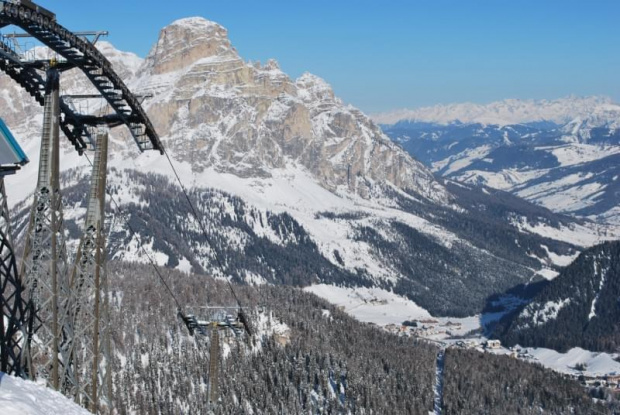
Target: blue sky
<point>382,55</point>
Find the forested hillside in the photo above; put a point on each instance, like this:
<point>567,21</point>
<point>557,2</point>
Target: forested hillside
<point>483,383</point>
<point>325,362</point>
<point>332,363</point>
<point>580,308</point>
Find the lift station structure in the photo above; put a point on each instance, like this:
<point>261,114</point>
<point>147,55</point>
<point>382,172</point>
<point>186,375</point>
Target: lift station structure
<point>57,312</point>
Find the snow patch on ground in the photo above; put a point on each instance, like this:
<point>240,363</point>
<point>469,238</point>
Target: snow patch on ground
<point>603,273</point>
<point>560,260</point>
<point>462,160</point>
<point>563,198</point>
<point>548,312</point>
<point>184,266</point>
<point>381,307</point>
<point>577,153</point>
<point>597,363</point>
<point>506,179</point>
<point>547,273</point>
<point>372,305</point>
<point>22,397</point>
<point>585,235</point>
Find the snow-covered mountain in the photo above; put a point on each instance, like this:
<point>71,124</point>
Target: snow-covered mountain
<point>295,186</point>
<point>595,111</point>
<point>560,154</point>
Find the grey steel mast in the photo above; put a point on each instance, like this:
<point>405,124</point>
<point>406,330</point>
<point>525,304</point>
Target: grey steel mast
<point>44,266</point>
<point>88,296</point>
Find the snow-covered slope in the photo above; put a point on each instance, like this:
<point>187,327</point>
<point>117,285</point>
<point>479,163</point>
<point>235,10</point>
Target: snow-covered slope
<point>22,397</point>
<point>308,189</point>
<point>571,167</point>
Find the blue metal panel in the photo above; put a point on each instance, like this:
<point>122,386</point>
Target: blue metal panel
<point>10,151</point>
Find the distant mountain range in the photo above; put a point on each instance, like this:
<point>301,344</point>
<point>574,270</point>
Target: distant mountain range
<point>295,187</point>
<point>595,111</point>
<point>560,154</point>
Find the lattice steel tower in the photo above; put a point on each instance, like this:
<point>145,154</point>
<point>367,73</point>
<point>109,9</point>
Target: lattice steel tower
<point>13,309</point>
<point>63,314</point>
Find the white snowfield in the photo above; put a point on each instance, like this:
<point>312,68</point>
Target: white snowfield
<point>371,305</point>
<point>381,307</point>
<point>22,397</point>
<point>597,364</point>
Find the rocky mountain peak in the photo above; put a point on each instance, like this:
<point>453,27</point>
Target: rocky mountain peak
<point>125,63</point>
<point>312,88</point>
<point>212,109</point>
<point>187,41</point>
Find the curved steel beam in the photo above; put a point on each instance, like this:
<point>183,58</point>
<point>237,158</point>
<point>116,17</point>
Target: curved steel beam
<point>85,56</point>
<point>30,79</point>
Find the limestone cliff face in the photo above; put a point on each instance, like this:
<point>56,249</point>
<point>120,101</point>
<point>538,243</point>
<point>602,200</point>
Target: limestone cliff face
<point>214,109</point>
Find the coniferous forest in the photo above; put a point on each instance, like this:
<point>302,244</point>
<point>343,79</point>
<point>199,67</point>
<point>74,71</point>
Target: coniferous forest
<point>325,363</point>
<point>589,292</point>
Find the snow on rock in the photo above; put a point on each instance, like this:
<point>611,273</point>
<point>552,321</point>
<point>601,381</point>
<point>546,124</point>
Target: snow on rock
<point>213,109</point>
<point>22,397</point>
<point>314,89</point>
<point>126,64</point>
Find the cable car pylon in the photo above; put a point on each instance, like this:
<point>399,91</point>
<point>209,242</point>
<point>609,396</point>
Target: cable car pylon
<point>13,310</point>
<point>44,266</point>
<point>88,297</point>
<point>220,321</point>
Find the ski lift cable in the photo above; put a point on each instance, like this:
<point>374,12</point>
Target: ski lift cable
<point>202,227</point>
<point>140,244</point>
